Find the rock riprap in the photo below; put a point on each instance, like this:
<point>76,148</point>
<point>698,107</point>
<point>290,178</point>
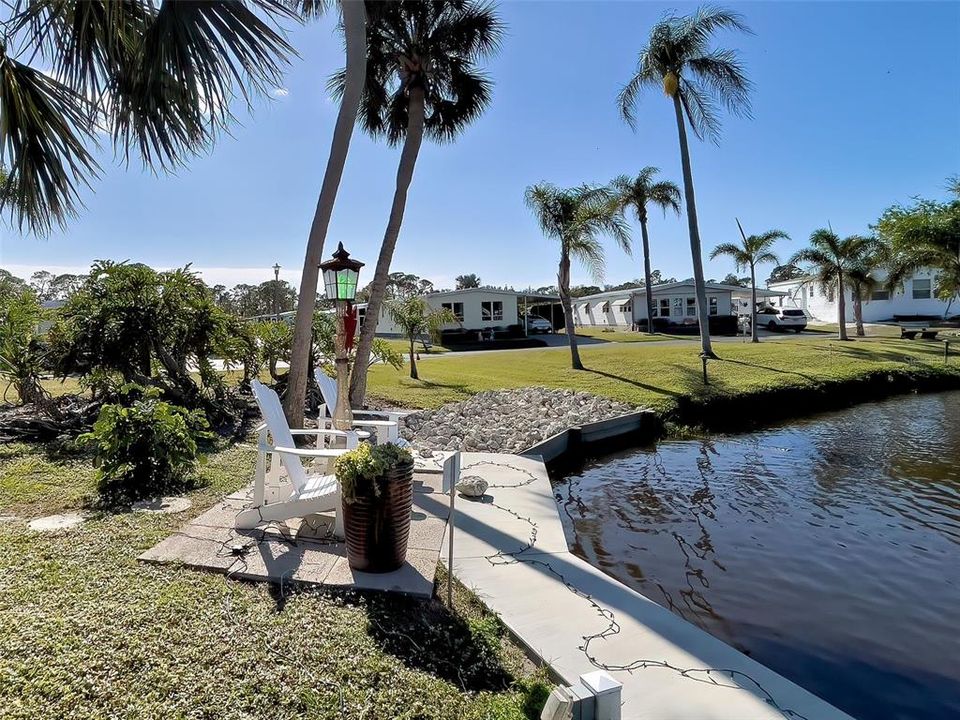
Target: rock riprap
<point>507,420</point>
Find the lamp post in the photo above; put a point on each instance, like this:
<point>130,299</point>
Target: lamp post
<point>276,291</point>
<point>340,276</point>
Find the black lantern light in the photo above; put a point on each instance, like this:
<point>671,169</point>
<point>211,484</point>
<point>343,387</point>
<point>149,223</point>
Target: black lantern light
<point>340,276</point>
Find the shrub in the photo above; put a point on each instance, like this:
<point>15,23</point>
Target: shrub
<point>361,471</point>
<point>144,447</point>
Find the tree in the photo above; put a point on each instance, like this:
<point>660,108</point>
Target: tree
<point>465,282</point>
<point>422,78</point>
<point>636,193</point>
<point>414,318</point>
<point>354,28</point>
<point>400,285</point>
<point>752,251</point>
<point>576,217</point>
<point>157,77</point>
<point>731,279</point>
<point>784,272</point>
<point>21,352</point>
<point>697,78</point>
<point>831,261</point>
<point>925,235</point>
<point>149,328</point>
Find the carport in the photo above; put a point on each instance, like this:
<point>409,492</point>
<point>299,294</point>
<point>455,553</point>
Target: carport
<point>546,306</point>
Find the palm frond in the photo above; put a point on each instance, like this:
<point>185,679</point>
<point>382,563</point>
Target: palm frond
<point>43,135</point>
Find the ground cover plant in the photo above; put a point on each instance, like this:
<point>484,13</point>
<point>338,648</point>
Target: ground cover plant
<point>88,631</point>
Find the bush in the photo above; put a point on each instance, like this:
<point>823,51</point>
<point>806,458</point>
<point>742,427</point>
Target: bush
<point>361,471</point>
<point>144,447</point>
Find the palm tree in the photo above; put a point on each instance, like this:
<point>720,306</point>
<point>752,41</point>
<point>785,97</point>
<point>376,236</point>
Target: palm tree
<point>925,235</point>
<point>832,261</point>
<point>354,24</point>
<point>158,78</point>
<point>637,193</point>
<point>576,217</point>
<point>422,78</point>
<point>752,251</point>
<point>678,58</point>
<point>414,318</point>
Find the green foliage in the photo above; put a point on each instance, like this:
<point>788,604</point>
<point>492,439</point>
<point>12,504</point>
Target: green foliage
<point>361,471</point>
<point>705,78</point>
<point>535,691</point>
<point>414,317</point>
<point>274,340</point>
<point>144,447</point>
<point>158,77</point>
<point>925,235</point>
<point>21,350</point>
<point>465,282</point>
<point>149,327</point>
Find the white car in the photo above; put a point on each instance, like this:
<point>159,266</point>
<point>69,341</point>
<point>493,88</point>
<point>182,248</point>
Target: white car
<point>536,324</point>
<point>773,319</point>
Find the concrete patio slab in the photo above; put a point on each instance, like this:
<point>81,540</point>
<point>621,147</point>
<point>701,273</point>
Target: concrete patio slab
<point>56,523</point>
<point>303,550</point>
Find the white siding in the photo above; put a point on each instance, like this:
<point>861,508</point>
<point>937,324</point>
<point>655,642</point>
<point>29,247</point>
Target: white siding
<point>821,303</point>
<point>473,310</point>
<point>624,308</point>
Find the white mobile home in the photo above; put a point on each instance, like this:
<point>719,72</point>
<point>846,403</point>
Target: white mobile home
<point>915,298</point>
<point>474,308</point>
<point>676,302</point>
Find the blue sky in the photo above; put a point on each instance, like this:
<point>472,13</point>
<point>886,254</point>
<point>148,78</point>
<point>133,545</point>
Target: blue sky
<point>855,106</point>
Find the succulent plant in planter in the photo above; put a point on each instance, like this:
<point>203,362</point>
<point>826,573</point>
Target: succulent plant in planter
<point>376,482</point>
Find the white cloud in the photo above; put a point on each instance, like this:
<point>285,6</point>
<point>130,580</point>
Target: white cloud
<point>280,92</point>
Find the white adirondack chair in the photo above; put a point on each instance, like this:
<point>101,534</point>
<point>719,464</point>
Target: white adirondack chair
<point>305,494</point>
<point>386,425</point>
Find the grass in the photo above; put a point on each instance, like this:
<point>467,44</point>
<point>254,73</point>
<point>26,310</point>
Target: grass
<point>626,336</point>
<point>657,376</point>
<point>403,346</point>
<point>86,631</point>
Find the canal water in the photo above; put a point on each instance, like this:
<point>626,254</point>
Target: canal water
<point>827,549</point>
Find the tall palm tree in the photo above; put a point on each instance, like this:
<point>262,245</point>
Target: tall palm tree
<point>157,77</point>
<point>576,218</point>
<point>752,251</point>
<point>679,59</point>
<point>831,261</point>
<point>422,78</point>
<point>637,193</point>
<point>354,25</point>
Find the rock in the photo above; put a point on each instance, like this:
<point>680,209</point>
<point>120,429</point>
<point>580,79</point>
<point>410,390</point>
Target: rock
<point>472,486</point>
<point>164,505</point>
<point>506,420</point>
<point>53,523</point>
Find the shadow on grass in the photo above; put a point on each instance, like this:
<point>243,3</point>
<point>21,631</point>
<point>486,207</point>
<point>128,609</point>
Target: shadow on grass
<point>765,367</point>
<point>425,636</point>
<point>635,383</point>
<point>889,350</point>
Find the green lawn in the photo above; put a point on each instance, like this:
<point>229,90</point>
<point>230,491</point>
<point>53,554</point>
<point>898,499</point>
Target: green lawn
<point>86,631</point>
<point>620,335</point>
<point>654,375</point>
<point>403,346</point>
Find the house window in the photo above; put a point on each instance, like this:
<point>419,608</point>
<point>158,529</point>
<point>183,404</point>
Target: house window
<point>691,307</point>
<point>830,294</point>
<point>714,307</point>
<point>665,307</point>
<point>491,310</point>
<point>880,295</point>
<point>626,308</point>
<point>921,289</point>
<point>605,308</point>
<point>361,316</point>
<point>456,308</point>
<point>677,307</point>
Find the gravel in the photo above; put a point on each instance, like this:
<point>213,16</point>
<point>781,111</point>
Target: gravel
<point>507,420</point>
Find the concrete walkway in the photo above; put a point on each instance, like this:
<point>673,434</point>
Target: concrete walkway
<point>511,551</point>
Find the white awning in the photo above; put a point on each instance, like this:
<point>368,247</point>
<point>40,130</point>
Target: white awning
<point>621,303</point>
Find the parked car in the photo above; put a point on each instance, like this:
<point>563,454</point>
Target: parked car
<point>773,319</point>
<point>536,324</point>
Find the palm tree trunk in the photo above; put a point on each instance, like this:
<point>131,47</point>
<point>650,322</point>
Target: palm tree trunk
<point>413,362</point>
<point>408,160</point>
<point>355,32</point>
<point>563,285</point>
<point>706,348</point>
<point>646,273</point>
<point>841,308</point>
<point>858,312</point>
<point>754,335</point>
